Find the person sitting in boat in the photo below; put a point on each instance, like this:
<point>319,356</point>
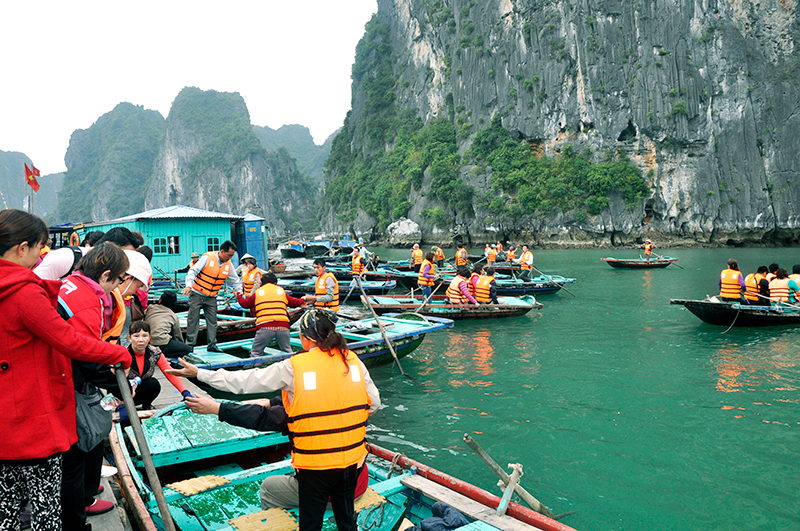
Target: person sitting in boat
<point>144,360</point>
<point>526,264</point>
<point>327,409</point>
<point>757,293</point>
<point>165,327</point>
<point>773,269</point>
<point>458,290</point>
<point>192,262</point>
<point>416,257</point>
<point>477,271</point>
<point>438,254</point>
<point>648,250</point>
<point>795,273</point>
<point>731,283</point>
<point>486,287</point>
<point>326,289</point>
<point>782,289</point>
<point>461,255</point>
<point>251,275</point>
<point>272,320</point>
<point>427,276</point>
<point>282,491</point>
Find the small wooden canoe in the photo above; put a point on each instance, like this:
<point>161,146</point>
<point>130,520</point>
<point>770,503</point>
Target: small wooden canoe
<point>376,287</point>
<point>716,312</point>
<point>438,306</point>
<point>639,263</point>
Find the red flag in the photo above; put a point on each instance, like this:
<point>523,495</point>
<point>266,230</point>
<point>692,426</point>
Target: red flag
<point>31,179</point>
<point>35,171</point>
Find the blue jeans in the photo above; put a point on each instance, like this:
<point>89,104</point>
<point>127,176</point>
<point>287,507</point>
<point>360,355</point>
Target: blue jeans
<point>426,292</point>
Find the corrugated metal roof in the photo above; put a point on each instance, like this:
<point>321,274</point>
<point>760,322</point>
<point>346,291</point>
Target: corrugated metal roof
<point>177,211</point>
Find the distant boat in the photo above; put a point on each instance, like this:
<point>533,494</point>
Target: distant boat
<point>716,312</point>
<point>292,249</point>
<point>438,306</point>
<point>639,263</point>
<point>378,287</point>
<point>316,248</point>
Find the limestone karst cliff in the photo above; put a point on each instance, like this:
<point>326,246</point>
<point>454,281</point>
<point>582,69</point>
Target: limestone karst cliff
<point>702,96</point>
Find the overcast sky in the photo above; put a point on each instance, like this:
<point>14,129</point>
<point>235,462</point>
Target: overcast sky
<point>66,63</point>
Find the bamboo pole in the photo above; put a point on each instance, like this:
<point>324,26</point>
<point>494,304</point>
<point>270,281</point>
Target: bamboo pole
<point>380,325</point>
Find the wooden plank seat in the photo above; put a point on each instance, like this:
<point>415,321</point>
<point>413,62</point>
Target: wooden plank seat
<point>269,520</point>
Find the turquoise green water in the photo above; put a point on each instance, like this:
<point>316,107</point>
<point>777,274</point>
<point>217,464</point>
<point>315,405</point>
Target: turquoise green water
<point>621,407</point>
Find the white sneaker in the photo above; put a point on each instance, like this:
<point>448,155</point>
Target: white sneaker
<point>108,471</point>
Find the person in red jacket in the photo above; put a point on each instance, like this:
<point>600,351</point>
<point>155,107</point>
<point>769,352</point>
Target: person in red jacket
<point>37,403</point>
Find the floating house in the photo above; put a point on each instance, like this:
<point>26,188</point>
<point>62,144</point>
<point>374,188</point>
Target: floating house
<point>175,232</point>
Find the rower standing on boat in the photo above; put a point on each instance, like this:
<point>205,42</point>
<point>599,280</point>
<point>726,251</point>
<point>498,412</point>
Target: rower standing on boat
<point>416,257</point>
<point>326,288</point>
<point>427,276</point>
<point>461,256</point>
<point>458,291</point>
<point>192,262</point>
<point>648,250</point>
<point>205,279</point>
<point>511,254</point>
<point>486,287</point>
<point>526,264</point>
<point>328,395</point>
<point>438,254</point>
<point>358,262</point>
<point>731,283</point>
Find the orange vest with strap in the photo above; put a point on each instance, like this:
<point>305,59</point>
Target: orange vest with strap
<point>422,281</point>
<point>461,257</point>
<point>751,281</point>
<point>438,253</point>
<point>211,279</point>
<point>779,289</point>
<point>483,292</point>
<point>492,255</point>
<point>320,291</point>
<point>730,287</point>
<point>118,316</point>
<point>249,280</point>
<point>357,265</point>
<point>526,257</point>
<point>328,412</point>
<point>648,248</point>
<point>416,256</point>
<point>271,304</point>
<point>511,254</point>
<point>499,247</point>
<point>473,279</point>
<point>454,292</point>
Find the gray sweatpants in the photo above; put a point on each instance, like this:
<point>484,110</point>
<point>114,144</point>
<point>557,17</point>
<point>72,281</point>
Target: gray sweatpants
<point>264,337</point>
<point>198,301</point>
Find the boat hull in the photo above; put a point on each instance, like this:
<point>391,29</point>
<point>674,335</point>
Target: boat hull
<point>438,307</point>
<point>733,314</point>
<point>639,263</point>
<point>288,252</point>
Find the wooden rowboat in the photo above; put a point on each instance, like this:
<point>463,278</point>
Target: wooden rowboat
<point>438,306</point>
<point>212,472</point>
<point>639,263</point>
<point>717,312</point>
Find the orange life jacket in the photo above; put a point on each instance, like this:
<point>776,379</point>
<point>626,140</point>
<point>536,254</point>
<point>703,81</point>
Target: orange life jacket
<point>422,281</point>
<point>499,247</point>
<point>511,254</point>
<point>751,281</point>
<point>328,412</point>
<point>416,256</point>
<point>526,256</point>
<point>249,280</point>
<point>473,279</point>
<point>730,287</point>
<point>211,279</point>
<point>118,316</point>
<point>271,304</point>
<point>779,290</point>
<point>492,256</point>
<point>454,292</point>
<point>648,248</point>
<point>771,276</point>
<point>461,257</point>
<point>483,289</point>
<point>320,291</point>
<point>438,253</point>
<point>357,265</point>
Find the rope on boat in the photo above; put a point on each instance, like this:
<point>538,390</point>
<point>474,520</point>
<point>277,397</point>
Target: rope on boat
<point>734,320</point>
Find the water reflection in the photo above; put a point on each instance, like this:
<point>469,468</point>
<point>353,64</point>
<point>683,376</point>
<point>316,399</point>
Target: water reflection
<point>764,366</point>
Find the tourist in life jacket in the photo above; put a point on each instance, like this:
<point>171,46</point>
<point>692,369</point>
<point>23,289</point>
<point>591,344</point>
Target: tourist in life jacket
<point>461,256</point>
<point>438,255</point>
<point>526,264</point>
<point>203,282</point>
<point>36,371</point>
<point>491,257</point>
<point>511,254</point>
<point>773,269</point>
<point>326,289</point>
<point>731,283</point>
<point>427,276</point>
<point>416,257</point>
<point>195,257</point>
<point>486,287</point>
<point>757,293</point>
<point>357,262</point>
<point>328,395</point>
<point>269,303</point>
<point>477,271</point>
<point>251,275</point>
<point>783,289</point>
<point>165,327</point>
<point>648,250</point>
<point>795,273</point>
<point>458,290</point>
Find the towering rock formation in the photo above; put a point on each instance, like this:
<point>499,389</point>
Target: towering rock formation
<point>703,96</point>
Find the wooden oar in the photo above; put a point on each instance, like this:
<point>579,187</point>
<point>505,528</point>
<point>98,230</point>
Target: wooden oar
<point>352,287</point>
<point>380,325</point>
<point>147,458</point>
<point>673,263</point>
<point>785,303</point>
<point>426,300</point>
<point>553,281</point>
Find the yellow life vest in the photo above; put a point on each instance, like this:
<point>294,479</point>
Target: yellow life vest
<point>249,280</point>
<point>422,281</point>
<point>483,288</point>
<point>357,265</point>
<point>329,410</point>
<point>461,257</point>
<point>320,291</point>
<point>416,256</point>
<point>454,292</point>
<point>779,290</point>
<point>118,316</point>
<point>526,256</point>
<point>211,279</point>
<point>271,304</point>
<point>730,287</point>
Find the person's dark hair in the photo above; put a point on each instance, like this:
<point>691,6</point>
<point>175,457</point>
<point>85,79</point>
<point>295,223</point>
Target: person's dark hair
<point>429,257</point>
<point>227,245</point>
<point>169,299</point>
<point>459,245</point>
<point>733,264</point>
<point>91,238</point>
<point>139,238</point>
<point>782,273</point>
<point>269,278</point>
<point>103,257</point>
<point>763,269</point>
<point>773,267</point>
<point>319,262</point>
<point>477,268</point>
<point>320,327</point>
<point>147,252</point>
<point>489,271</point>
<point>463,271</point>
<point>17,227</point>
<point>796,269</point>
<point>120,236</point>
<point>139,326</point>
